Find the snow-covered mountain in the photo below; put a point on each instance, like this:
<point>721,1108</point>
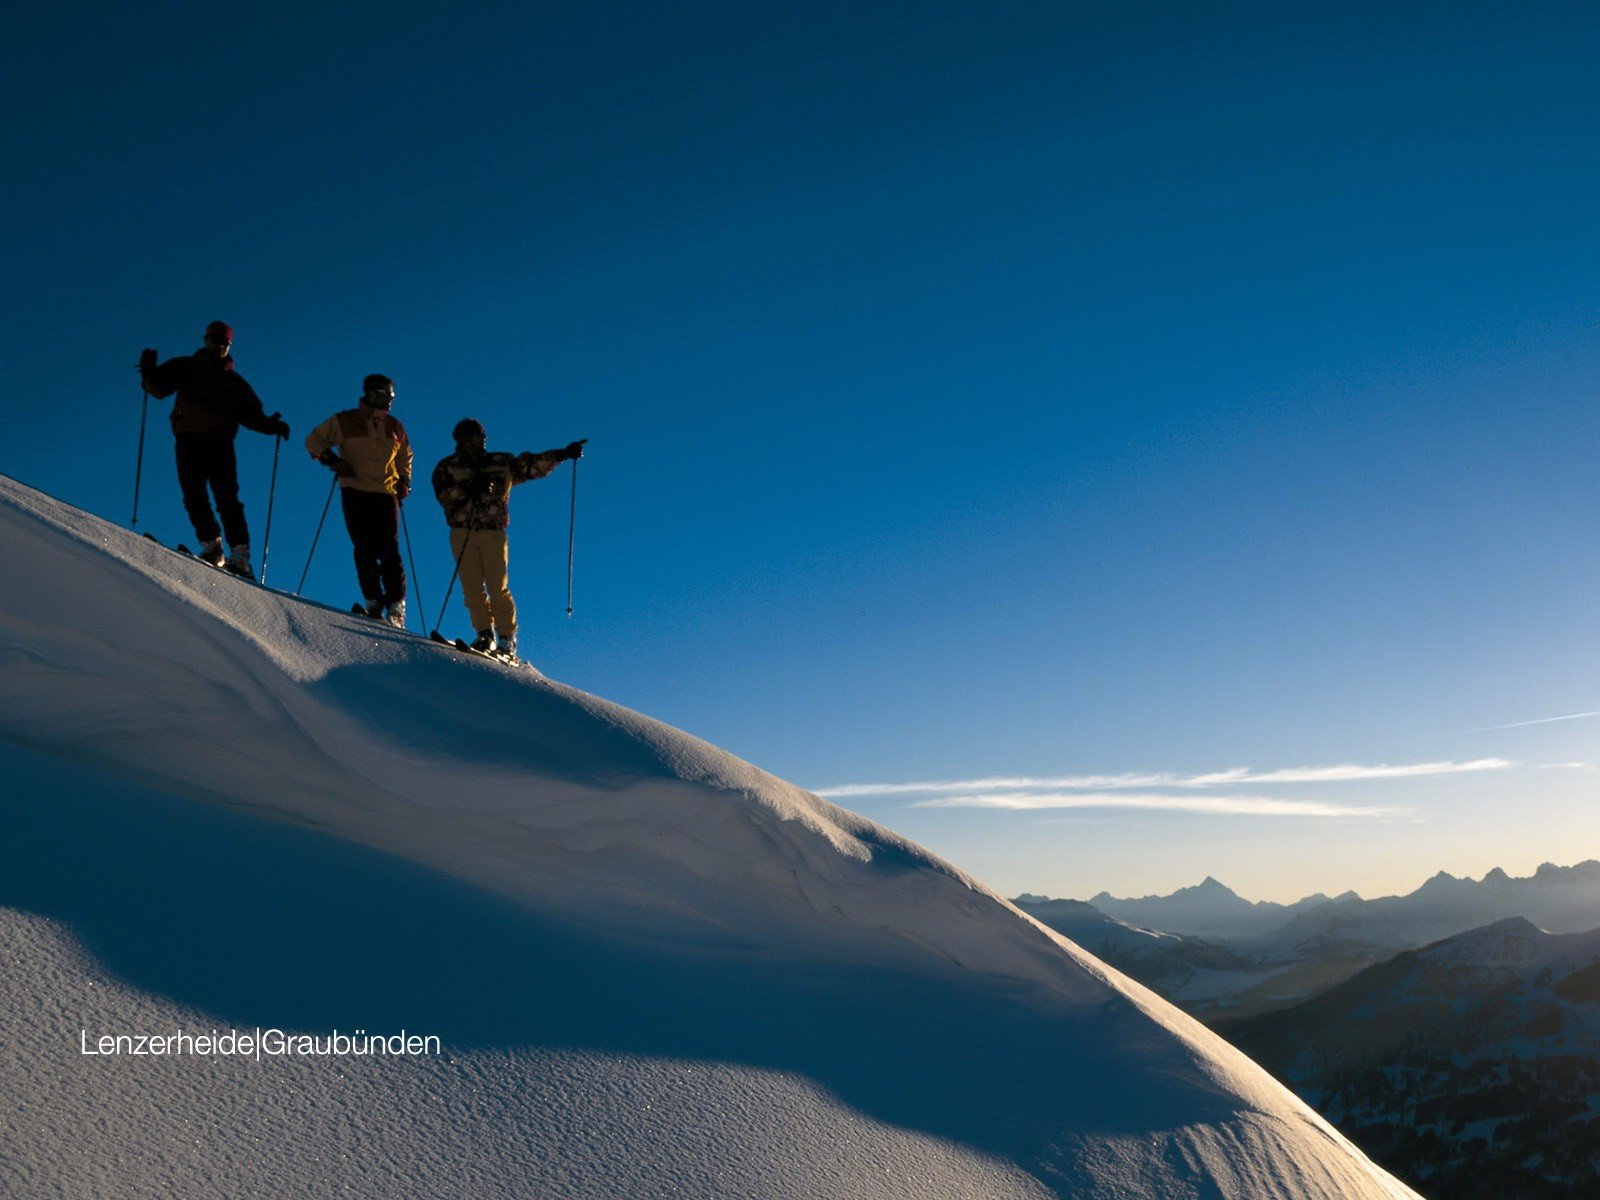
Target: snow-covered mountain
<point>1468,1067</point>
<point>1209,910</point>
<point>654,970</point>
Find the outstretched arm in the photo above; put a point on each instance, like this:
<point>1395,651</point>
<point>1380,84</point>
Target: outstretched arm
<point>528,465</point>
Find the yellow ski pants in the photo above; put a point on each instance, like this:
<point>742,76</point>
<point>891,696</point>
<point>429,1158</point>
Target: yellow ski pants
<point>484,583</point>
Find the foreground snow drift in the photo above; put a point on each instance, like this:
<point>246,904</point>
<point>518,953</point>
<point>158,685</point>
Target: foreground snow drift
<point>655,969</point>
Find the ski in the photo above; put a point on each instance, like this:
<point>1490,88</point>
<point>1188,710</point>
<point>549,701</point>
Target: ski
<point>180,548</point>
<point>465,648</point>
<point>247,575</point>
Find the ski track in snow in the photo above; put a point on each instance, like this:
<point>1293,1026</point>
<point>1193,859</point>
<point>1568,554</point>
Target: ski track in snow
<point>660,911</point>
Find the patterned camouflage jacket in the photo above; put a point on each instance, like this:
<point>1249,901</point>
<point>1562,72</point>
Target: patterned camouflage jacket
<point>482,486</point>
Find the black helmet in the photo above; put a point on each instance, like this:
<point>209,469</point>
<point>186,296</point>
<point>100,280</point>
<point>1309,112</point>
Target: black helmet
<point>469,428</point>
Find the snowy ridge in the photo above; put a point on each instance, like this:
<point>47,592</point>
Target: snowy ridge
<point>871,968</point>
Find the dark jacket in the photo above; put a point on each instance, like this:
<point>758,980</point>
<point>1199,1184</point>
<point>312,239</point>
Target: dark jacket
<point>212,396</point>
<point>465,486</point>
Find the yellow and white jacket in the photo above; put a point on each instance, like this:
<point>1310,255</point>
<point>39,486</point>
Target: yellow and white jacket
<point>372,442</point>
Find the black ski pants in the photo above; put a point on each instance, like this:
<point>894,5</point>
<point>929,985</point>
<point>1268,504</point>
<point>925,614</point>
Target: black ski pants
<point>373,519</point>
<point>206,460</point>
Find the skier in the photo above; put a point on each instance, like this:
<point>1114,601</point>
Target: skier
<point>213,400</point>
<point>374,471</point>
<point>474,488</point>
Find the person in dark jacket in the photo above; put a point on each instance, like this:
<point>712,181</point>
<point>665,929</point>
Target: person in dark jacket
<point>212,401</point>
<point>474,488</point>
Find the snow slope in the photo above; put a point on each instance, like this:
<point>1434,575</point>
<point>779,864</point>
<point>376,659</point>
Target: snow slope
<point>655,970</point>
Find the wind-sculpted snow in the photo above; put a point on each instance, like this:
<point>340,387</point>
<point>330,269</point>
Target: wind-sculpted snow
<point>226,804</point>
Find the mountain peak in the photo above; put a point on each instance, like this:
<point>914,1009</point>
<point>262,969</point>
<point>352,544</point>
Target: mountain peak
<point>1550,873</point>
<point>1494,942</point>
<point>1439,882</point>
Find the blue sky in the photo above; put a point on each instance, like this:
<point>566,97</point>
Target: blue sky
<point>975,392</point>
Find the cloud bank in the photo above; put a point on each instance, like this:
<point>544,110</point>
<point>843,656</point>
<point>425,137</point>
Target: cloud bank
<point>1227,806</point>
<point>1134,790</point>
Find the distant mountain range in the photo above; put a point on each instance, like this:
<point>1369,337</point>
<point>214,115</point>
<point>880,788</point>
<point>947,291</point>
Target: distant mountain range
<point>1558,899</point>
<point>1468,1068</point>
<point>1209,910</point>
<point>1218,955</point>
<point>1453,1033</point>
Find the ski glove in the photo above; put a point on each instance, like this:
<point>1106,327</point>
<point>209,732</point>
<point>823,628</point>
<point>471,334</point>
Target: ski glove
<point>575,449</point>
<point>278,427</point>
<point>148,359</point>
<point>402,489</point>
<point>334,463</point>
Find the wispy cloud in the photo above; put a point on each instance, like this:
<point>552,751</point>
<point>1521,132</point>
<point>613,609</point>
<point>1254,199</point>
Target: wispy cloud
<point>1227,806</point>
<point>1586,767</point>
<point>1236,776</point>
<point>1352,771</point>
<point>1525,724</point>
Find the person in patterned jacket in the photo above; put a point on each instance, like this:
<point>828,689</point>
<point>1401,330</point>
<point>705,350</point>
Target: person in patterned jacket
<point>474,488</point>
<point>212,401</point>
<point>373,463</point>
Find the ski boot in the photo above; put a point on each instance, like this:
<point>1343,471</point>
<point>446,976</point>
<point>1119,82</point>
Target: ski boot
<point>395,614</point>
<point>239,563</point>
<point>211,552</point>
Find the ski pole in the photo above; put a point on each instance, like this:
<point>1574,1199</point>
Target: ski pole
<point>572,527</point>
<point>138,470</point>
<point>415,586</point>
<point>272,494</point>
<point>451,586</point>
<point>325,507</point>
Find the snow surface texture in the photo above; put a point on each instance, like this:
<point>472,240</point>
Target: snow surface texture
<point>655,970</point>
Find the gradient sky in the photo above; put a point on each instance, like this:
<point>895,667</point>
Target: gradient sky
<point>1101,397</point>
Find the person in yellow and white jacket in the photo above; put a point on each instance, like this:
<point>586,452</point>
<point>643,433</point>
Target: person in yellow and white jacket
<point>373,463</point>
